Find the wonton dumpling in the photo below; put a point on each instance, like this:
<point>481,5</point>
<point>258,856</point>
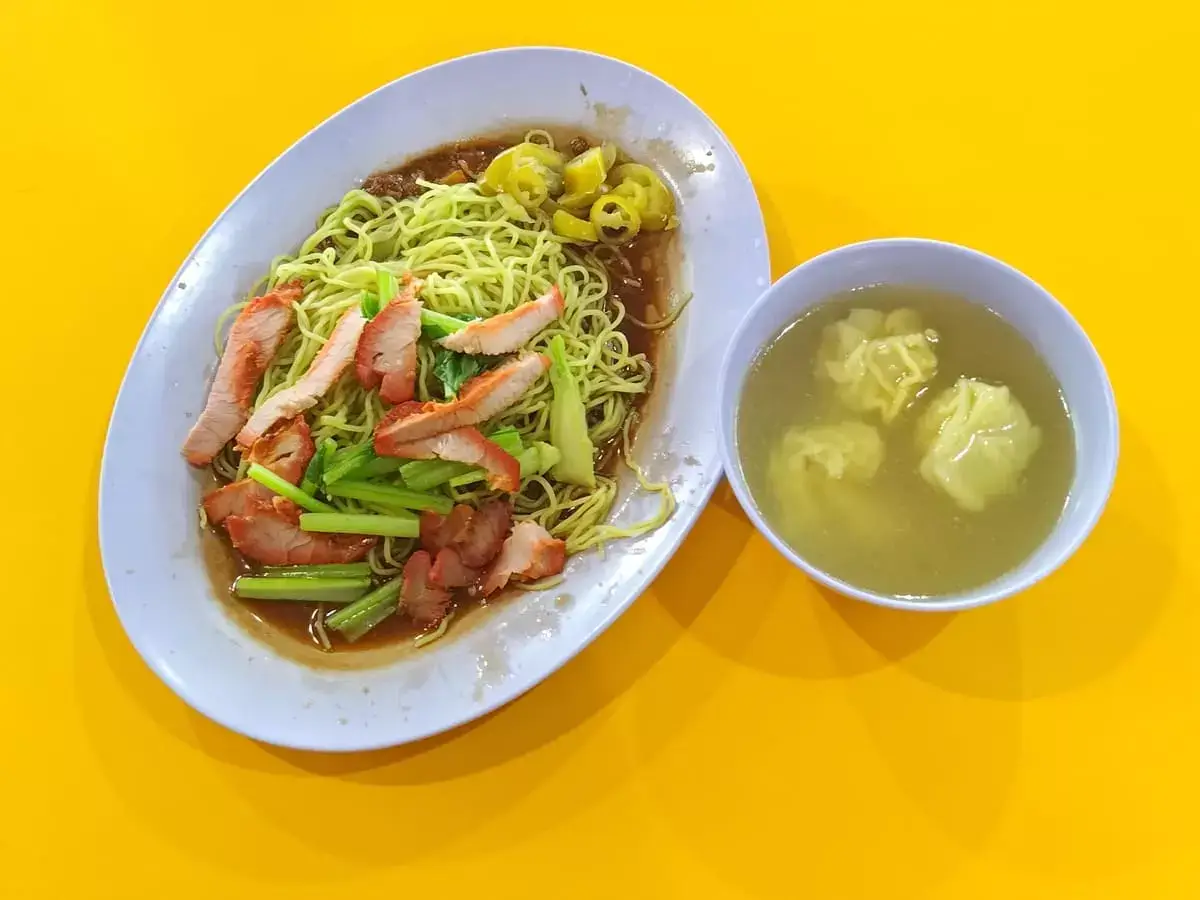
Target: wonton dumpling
<point>977,440</point>
<point>877,362</point>
<point>850,450</point>
<point>818,477</point>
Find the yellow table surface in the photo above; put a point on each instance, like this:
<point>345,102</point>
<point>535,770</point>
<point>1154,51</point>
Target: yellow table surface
<point>738,733</point>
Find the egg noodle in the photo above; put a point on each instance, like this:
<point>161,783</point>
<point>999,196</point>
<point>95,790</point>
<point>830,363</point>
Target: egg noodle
<point>476,256</point>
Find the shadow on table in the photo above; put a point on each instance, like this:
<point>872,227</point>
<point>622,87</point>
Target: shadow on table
<point>1082,622</point>
<point>727,590</point>
<point>927,709</point>
<point>819,660</point>
<point>462,785</point>
<point>763,613</point>
<point>1075,626</point>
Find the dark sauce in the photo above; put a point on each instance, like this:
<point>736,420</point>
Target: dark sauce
<point>642,287</point>
<point>299,621</point>
<point>290,625</point>
<point>460,161</point>
<point>642,284</point>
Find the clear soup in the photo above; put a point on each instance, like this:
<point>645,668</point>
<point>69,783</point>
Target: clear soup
<point>942,488</point>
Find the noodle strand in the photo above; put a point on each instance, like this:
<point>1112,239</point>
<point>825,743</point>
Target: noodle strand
<point>478,258</point>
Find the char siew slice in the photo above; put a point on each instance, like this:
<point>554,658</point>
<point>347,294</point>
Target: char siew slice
<point>255,336</point>
<point>324,371</point>
<point>270,534</point>
<point>286,451</point>
<point>483,397</point>
<point>529,553</point>
<point>386,357</point>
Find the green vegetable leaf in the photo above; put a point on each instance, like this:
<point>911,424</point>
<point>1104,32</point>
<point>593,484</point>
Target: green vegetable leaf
<point>568,422</point>
<point>284,488</point>
<point>315,473</point>
<point>453,369</point>
<point>366,612</point>
<point>346,461</point>
<point>388,288</point>
<point>371,305</point>
<point>436,325</point>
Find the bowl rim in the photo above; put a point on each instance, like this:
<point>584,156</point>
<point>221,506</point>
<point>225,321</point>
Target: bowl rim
<point>987,593</point>
<point>513,688</point>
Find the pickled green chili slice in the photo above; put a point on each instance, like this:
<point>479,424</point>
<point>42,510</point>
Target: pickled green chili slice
<point>586,172</point>
<point>497,172</point>
<point>547,156</point>
<point>573,229</point>
<point>528,184</point>
<point>616,219</point>
<point>637,193</point>
<point>654,201</point>
<point>579,203</point>
<point>492,180</point>
<point>634,172</point>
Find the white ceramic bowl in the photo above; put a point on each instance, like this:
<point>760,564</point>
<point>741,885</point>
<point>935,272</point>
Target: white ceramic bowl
<point>148,495</point>
<point>1025,305</point>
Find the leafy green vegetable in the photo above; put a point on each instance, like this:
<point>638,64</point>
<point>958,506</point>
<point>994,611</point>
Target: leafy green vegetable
<point>366,612</point>
<point>424,474</point>
<point>390,495</point>
<point>388,289</point>
<point>568,422</point>
<point>311,589</point>
<point>539,459</point>
<point>346,461</point>
<point>436,325</point>
<point>320,570</point>
<point>536,459</point>
<point>273,482</point>
<point>380,465</point>
<point>315,472</point>
<point>453,369</point>
<point>395,525</point>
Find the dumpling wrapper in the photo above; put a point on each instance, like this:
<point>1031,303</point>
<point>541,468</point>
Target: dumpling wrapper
<point>977,441</point>
<point>850,450</point>
<point>878,363</point>
<point>819,475</point>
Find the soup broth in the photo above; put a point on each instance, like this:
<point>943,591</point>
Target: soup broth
<point>894,531</point>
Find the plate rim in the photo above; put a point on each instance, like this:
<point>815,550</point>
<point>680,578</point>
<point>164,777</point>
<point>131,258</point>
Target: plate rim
<point>513,688</point>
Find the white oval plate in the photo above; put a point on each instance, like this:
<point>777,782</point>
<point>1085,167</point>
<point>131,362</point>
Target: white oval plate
<point>150,539</point>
